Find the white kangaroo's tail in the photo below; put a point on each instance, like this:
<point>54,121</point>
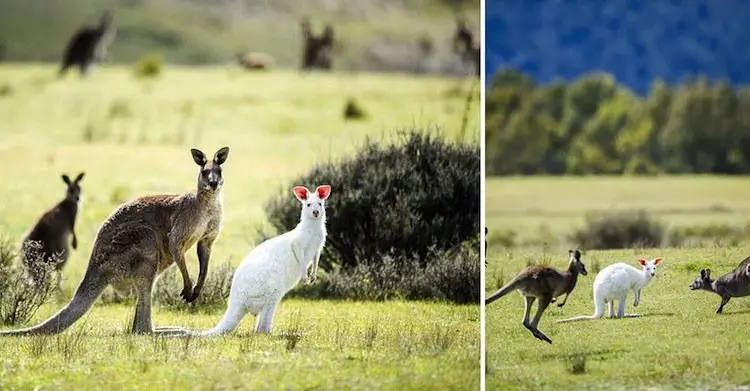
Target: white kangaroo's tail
<point>228,323</point>
<point>598,311</point>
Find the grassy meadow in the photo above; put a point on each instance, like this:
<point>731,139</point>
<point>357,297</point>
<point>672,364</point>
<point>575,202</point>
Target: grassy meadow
<point>132,137</point>
<point>678,343</point>
<point>548,209</point>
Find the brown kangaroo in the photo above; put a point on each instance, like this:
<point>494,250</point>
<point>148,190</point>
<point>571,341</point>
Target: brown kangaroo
<point>467,45</point>
<point>733,284</point>
<point>543,283</point>
<point>316,53</point>
<point>140,240</point>
<point>48,239</point>
<point>87,45</point>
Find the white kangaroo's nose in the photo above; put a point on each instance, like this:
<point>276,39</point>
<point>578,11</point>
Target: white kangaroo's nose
<point>315,213</point>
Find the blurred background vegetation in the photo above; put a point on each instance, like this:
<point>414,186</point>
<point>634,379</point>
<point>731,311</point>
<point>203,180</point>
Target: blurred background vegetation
<point>597,126</point>
<point>376,35</point>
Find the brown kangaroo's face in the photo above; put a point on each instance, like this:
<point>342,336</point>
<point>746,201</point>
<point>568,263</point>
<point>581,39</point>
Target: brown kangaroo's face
<point>575,257</point>
<point>209,177</point>
<point>74,188</point>
<point>703,281</point>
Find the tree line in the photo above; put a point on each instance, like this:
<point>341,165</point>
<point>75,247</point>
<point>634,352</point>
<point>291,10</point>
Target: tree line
<point>595,126</point>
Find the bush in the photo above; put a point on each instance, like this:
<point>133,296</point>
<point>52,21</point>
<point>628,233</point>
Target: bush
<point>20,295</point>
<point>214,294</point>
<point>395,208</point>
<point>620,230</point>
<point>452,275</point>
<point>149,66</point>
<point>353,110</point>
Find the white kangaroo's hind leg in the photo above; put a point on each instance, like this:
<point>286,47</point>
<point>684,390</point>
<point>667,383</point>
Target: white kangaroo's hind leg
<point>265,317</point>
<point>611,305</point>
<point>621,307</point>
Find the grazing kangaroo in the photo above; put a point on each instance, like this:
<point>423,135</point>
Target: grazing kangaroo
<point>255,61</point>
<point>733,284</point>
<point>87,45</point>
<point>544,283</point>
<point>273,268</point>
<point>140,240</point>
<point>316,52</point>
<point>48,239</point>
<point>613,283</point>
<point>467,46</point>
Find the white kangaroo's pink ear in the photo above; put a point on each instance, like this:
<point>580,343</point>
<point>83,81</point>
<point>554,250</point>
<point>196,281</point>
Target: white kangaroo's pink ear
<point>642,262</point>
<point>323,191</point>
<point>301,192</point>
<point>656,261</point>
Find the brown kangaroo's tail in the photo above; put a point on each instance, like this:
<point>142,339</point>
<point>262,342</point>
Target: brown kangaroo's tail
<point>507,288</point>
<point>88,291</point>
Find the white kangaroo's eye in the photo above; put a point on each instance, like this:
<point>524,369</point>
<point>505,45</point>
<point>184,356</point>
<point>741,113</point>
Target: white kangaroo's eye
<point>320,204</point>
<point>308,204</point>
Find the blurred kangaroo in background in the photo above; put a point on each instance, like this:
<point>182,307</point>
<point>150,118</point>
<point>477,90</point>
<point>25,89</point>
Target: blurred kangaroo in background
<point>467,45</point>
<point>317,50</point>
<point>140,240</point>
<point>88,44</point>
<point>48,240</point>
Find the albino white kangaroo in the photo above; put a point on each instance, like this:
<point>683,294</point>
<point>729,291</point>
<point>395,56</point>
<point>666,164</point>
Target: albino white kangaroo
<point>613,283</point>
<point>273,268</point>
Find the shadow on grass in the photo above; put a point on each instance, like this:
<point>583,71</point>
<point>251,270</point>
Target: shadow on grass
<point>603,353</point>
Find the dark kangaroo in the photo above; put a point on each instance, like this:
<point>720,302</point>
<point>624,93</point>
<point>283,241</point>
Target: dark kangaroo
<point>140,240</point>
<point>317,50</point>
<point>467,45</point>
<point>733,284</point>
<point>48,239</point>
<point>544,283</point>
<point>88,44</point>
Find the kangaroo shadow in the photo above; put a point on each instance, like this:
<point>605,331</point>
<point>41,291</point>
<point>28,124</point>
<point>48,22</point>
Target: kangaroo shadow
<point>738,312</point>
<point>656,314</point>
<point>602,353</point>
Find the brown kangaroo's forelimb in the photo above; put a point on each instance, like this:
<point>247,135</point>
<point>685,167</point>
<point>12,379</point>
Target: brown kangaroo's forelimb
<point>204,254</point>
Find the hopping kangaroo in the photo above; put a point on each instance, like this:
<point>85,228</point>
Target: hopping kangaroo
<point>273,268</point>
<point>733,284</point>
<point>543,283</point>
<point>48,239</point>
<point>140,240</point>
<point>613,283</point>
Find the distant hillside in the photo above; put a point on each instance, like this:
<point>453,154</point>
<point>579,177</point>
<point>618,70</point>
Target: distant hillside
<point>635,40</point>
<point>373,34</point>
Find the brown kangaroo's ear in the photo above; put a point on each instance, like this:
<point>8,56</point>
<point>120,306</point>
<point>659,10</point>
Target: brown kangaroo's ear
<point>66,179</point>
<point>199,157</point>
<point>79,177</point>
<point>221,155</point>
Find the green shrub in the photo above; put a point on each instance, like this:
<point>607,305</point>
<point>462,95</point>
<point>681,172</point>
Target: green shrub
<point>620,230</point>
<point>395,208</point>
<point>214,293</point>
<point>452,275</point>
<point>20,294</point>
<point>149,66</point>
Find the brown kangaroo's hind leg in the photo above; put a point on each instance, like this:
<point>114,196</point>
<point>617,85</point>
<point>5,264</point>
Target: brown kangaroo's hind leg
<point>543,304</point>
<point>529,302</point>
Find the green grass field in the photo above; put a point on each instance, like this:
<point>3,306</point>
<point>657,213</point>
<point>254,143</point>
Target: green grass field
<point>679,343</point>
<point>555,206</point>
<point>133,138</point>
